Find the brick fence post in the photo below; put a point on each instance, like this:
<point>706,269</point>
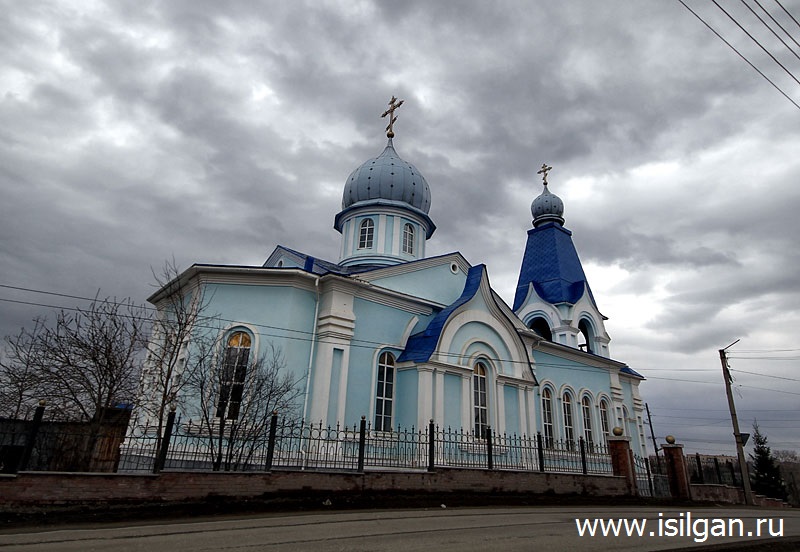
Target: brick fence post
<point>621,461</point>
<point>677,474</point>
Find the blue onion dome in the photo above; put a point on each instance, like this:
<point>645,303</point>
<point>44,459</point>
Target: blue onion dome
<point>387,177</point>
<point>548,207</point>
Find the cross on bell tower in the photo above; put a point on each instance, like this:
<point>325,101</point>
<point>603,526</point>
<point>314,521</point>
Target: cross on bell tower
<point>543,171</point>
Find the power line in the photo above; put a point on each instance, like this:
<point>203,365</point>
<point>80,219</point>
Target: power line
<point>766,351</point>
<point>355,343</point>
<point>787,13</point>
<point>764,375</point>
<point>756,69</point>
<point>766,358</point>
<point>779,26</point>
<point>756,41</point>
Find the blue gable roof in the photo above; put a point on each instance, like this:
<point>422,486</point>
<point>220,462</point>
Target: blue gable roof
<point>631,372</point>
<point>421,345</point>
<point>552,265</point>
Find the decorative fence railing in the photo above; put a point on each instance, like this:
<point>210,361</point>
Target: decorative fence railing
<point>714,470</point>
<point>296,445</point>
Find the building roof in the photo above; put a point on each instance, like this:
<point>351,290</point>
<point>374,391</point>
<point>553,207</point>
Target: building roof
<point>552,265</point>
<point>420,346</point>
<point>387,177</point>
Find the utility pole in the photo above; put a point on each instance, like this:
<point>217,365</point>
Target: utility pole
<point>653,436</point>
<point>726,375</point>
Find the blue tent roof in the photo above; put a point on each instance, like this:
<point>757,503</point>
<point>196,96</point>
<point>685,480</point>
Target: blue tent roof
<point>421,345</point>
<point>552,265</point>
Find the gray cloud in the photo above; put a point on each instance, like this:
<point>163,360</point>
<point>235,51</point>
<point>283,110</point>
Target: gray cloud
<point>135,131</point>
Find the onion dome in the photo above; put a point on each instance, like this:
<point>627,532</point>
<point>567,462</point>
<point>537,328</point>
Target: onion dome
<point>547,207</point>
<point>387,177</point>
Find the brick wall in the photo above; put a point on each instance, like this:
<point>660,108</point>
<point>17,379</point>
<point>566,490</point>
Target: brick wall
<point>35,489</point>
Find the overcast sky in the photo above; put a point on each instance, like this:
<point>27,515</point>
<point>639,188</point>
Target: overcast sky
<point>135,131</point>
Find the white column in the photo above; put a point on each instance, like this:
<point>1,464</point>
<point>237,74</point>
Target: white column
<point>438,404</point>
<point>321,383</point>
<point>380,235</point>
<point>424,396</point>
<point>342,398</point>
<point>500,422</point>
<point>524,411</point>
<point>466,402</point>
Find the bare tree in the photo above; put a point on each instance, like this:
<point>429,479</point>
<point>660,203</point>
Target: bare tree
<point>235,399</point>
<point>178,341</point>
<point>86,361</point>
<point>19,389</point>
<point>786,456</point>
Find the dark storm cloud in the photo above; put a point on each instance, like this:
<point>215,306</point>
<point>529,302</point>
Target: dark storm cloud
<point>133,132</point>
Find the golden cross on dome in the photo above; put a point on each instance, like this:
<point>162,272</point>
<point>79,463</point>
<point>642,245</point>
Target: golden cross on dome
<point>392,117</point>
<point>543,171</point>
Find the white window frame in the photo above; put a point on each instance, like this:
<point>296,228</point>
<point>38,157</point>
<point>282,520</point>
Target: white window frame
<point>480,402</point>
<point>569,419</point>
<point>547,418</point>
<point>604,425</point>
<point>366,234</point>
<point>384,394</point>
<point>408,238</point>
<point>586,410</point>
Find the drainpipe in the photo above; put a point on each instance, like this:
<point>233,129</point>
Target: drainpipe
<point>311,353</point>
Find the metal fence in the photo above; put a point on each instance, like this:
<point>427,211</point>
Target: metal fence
<point>291,444</point>
<point>705,469</point>
<point>295,445</point>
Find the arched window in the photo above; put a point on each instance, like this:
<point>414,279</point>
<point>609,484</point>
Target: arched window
<point>232,375</point>
<point>408,239</point>
<point>479,399</point>
<point>541,327</point>
<point>366,234</point>
<point>569,425</point>
<point>604,419</point>
<point>586,332</point>
<point>385,393</point>
<point>626,421</point>
<point>547,417</point>
<point>586,409</point>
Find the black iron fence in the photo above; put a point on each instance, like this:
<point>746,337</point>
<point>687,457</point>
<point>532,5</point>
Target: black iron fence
<point>291,444</point>
<point>717,470</point>
<point>295,445</point>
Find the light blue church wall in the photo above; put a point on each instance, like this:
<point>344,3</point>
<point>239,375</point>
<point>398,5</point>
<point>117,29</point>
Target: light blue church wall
<point>378,327</point>
<point>437,283</point>
<point>452,401</point>
<point>281,315</point>
<point>479,335</point>
<point>578,376</point>
<point>511,397</point>
<point>405,401</point>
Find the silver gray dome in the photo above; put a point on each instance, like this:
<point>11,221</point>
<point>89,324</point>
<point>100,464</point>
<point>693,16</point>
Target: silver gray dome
<point>547,207</point>
<point>387,177</point>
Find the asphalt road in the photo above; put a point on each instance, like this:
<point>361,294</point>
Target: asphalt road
<point>451,529</point>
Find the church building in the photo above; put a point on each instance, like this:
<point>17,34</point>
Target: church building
<point>389,333</point>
